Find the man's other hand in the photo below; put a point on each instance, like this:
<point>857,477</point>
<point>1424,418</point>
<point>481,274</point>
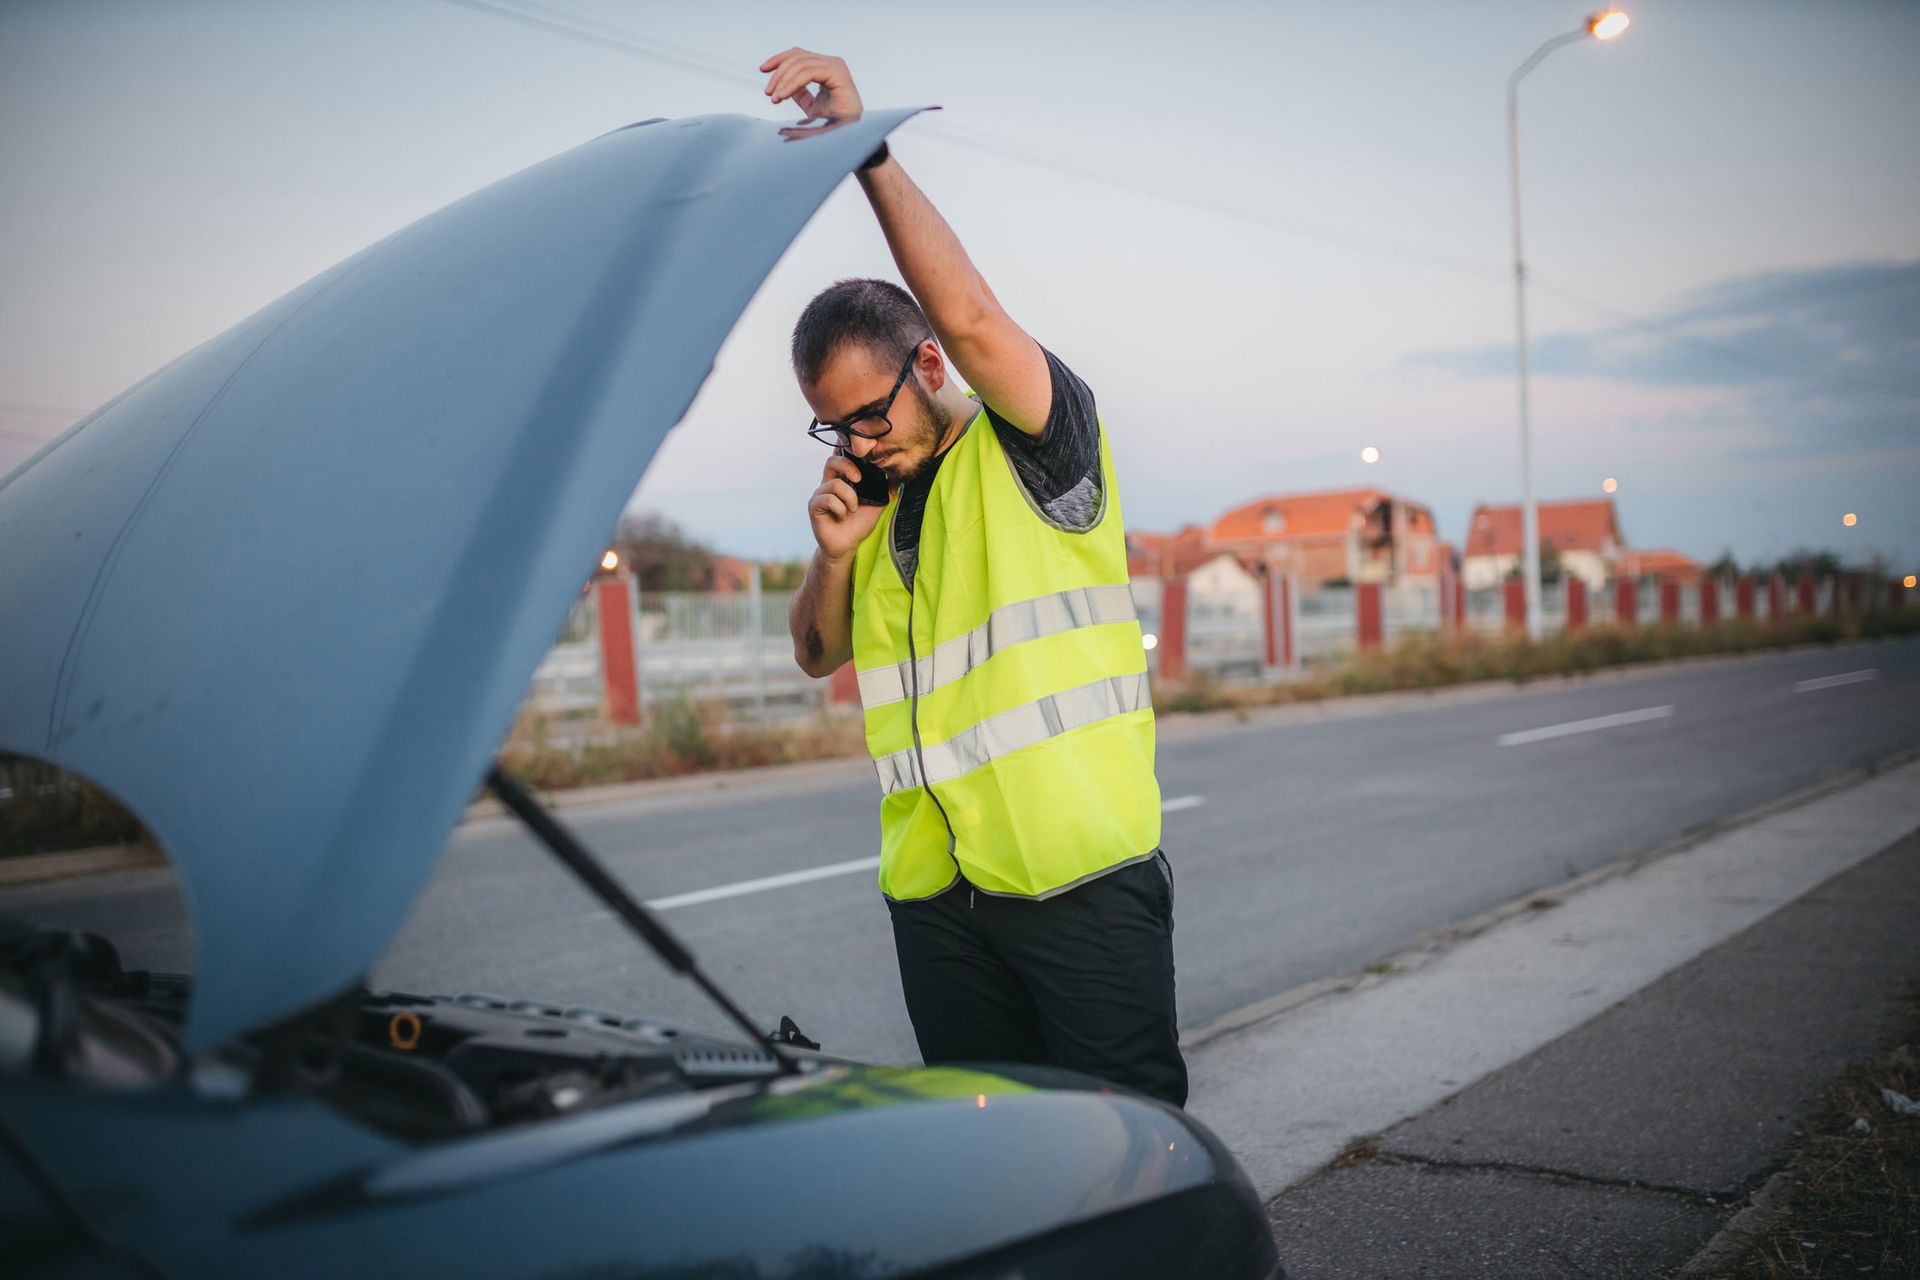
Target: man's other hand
<point>839,521</point>
<point>791,73</point>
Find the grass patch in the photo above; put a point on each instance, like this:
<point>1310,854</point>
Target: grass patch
<point>1853,1202</point>
<point>679,737</point>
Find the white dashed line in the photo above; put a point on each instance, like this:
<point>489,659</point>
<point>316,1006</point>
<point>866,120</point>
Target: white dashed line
<point>1584,726</point>
<point>741,888</point>
<point>1830,682</point>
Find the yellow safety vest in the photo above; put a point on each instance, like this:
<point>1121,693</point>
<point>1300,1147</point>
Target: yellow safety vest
<point>1005,695</point>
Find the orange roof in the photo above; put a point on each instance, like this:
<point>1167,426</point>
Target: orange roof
<point>1148,553</point>
<point>1301,514</point>
<point>1657,564</point>
<point>1586,525</point>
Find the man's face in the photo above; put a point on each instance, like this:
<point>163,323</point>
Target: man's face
<point>856,381</point>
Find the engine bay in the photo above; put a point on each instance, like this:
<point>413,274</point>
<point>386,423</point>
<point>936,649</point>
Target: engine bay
<point>417,1066</point>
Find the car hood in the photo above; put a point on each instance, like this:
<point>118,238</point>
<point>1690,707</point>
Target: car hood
<point>284,596</point>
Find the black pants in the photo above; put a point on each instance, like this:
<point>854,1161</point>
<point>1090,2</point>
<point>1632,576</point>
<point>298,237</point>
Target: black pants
<point>1082,980</point>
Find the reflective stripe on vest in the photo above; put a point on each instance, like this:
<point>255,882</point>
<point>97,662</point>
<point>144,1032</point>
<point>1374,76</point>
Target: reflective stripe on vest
<point>1004,696</point>
<point>1014,730</point>
<point>1007,626</point>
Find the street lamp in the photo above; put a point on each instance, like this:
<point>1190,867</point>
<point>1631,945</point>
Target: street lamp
<point>1604,25</point>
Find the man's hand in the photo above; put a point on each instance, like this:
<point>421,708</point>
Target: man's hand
<point>839,521</point>
<point>795,69</point>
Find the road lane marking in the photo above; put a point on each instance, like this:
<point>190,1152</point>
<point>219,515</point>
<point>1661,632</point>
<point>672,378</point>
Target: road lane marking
<point>1830,682</point>
<point>1584,726</point>
<point>764,883</point>
<point>743,887</point>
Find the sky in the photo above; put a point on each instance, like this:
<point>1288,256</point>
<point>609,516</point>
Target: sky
<point>1267,235</point>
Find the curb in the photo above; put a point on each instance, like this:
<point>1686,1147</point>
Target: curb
<point>1430,946</point>
<point>36,868</point>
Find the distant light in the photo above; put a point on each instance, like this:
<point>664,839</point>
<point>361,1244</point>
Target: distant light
<point>1849,519</point>
<point>1369,454</point>
<point>1609,484</point>
<point>1910,582</point>
<point>1169,1146</point>
<point>1149,641</point>
<point>980,1099</point>
<point>611,560</point>
<point>1607,24</point>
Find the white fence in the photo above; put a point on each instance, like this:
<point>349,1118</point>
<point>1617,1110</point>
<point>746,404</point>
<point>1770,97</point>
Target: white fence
<point>731,650</point>
<point>734,650</point>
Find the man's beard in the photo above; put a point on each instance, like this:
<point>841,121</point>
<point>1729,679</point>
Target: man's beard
<point>929,435</point>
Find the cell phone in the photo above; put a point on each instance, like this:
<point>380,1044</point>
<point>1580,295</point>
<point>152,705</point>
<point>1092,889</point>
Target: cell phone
<point>873,486</point>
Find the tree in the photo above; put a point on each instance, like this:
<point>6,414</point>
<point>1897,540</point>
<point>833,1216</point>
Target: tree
<point>661,555</point>
<point>1724,567</point>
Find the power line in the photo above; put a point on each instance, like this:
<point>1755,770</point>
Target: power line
<point>560,22</point>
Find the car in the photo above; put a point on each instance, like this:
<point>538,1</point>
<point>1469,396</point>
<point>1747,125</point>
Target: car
<point>280,600</point>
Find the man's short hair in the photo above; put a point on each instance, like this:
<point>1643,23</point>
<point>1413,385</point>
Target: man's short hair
<point>877,314</point>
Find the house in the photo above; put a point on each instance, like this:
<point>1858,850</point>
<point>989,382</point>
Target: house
<point>1584,534</point>
<point>1351,535</point>
<point>1162,555</point>
<point>1666,566</point>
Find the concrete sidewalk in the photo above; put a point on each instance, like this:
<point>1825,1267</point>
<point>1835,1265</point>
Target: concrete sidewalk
<point>1590,1086</point>
<point>1621,1148</point>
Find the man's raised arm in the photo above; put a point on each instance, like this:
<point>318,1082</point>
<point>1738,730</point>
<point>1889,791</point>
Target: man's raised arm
<point>996,356</point>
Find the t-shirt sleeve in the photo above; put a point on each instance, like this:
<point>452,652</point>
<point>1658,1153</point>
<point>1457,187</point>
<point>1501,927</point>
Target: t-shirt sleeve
<point>1061,466</point>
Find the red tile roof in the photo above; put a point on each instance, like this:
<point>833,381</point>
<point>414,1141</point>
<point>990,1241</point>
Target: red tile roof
<point>1586,525</point>
<point>1303,514</point>
<point>1658,564</point>
<point>1149,553</point>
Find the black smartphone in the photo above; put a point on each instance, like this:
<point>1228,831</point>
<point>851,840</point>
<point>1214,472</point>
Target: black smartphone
<point>872,487</point>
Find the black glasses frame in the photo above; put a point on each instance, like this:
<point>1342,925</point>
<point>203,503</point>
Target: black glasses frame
<point>839,435</point>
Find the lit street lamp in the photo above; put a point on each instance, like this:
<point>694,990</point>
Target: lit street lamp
<point>1604,25</point>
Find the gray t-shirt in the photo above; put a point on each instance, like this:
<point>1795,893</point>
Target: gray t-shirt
<point>1060,467</point>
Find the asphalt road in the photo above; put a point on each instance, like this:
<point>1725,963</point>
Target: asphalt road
<point>1305,843</point>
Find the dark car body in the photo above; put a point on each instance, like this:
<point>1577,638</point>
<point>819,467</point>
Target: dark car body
<point>440,431</point>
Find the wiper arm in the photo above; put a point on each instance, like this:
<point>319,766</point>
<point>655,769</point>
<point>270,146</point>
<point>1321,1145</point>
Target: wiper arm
<point>603,886</point>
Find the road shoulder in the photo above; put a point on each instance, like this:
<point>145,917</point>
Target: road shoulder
<point>1290,1092</point>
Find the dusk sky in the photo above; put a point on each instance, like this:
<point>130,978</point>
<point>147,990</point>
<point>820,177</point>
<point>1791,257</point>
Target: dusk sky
<point>1267,235</point>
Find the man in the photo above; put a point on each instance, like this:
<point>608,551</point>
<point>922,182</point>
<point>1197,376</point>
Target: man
<point>986,611</point>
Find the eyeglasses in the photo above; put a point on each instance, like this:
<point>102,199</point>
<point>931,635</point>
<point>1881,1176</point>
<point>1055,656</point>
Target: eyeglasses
<point>840,434</point>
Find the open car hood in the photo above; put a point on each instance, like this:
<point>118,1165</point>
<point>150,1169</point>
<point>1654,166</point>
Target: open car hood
<point>284,596</point>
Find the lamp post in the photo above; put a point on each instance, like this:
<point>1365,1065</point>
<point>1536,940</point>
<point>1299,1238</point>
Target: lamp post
<point>1604,25</point>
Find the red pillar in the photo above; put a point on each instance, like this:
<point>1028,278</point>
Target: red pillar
<point>619,677</point>
<point>1457,587</point>
<point>1743,598</point>
<point>1515,595</point>
<point>1776,598</point>
<point>1709,602</point>
<point>1279,619</point>
<point>1626,602</point>
<point>1669,600</point>
<point>1805,594</point>
<point>1173,628</point>
<point>844,684</point>
<point>1366,602</point>
<point>1576,602</point>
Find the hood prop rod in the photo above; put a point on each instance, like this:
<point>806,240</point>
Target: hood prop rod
<point>578,860</point>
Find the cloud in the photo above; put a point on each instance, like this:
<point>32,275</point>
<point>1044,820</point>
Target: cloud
<point>1847,330</point>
